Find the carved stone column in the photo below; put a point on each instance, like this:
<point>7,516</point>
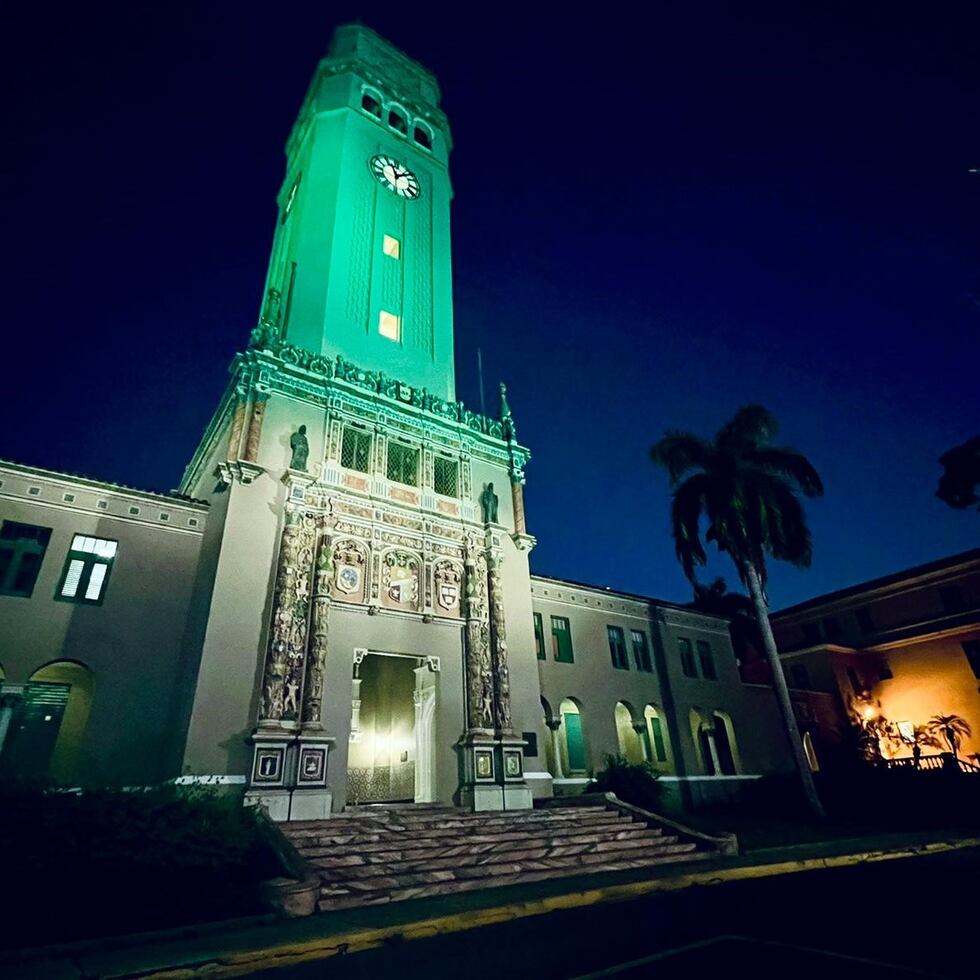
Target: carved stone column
<point>319,623</point>
<point>285,659</point>
<point>498,649</point>
<point>517,493</point>
<point>479,667</point>
<point>274,761</point>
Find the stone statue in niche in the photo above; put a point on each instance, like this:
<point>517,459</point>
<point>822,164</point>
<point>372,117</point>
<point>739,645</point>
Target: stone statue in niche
<point>300,446</point>
<point>489,502</point>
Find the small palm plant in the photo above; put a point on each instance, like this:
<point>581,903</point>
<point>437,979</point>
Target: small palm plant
<point>951,728</point>
<point>747,491</point>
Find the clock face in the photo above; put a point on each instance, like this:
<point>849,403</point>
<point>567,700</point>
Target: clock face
<point>396,177</point>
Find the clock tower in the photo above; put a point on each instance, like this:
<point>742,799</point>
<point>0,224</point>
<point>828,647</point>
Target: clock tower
<point>362,268</point>
<point>365,622</point>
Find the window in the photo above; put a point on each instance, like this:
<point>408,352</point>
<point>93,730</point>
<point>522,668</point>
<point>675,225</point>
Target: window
<point>687,657</point>
<point>800,676</point>
<point>864,620</point>
<point>831,628</point>
<point>561,638</point>
<point>403,464</point>
<point>371,105</point>
<point>617,648</point>
<point>972,650</point>
<point>707,661</point>
<point>392,247</point>
<point>444,476</point>
<point>641,651</point>
<point>952,598</point>
<point>884,670</point>
<point>398,122</point>
<point>87,570</point>
<point>659,746</point>
<point>22,548</point>
<point>355,452</point>
<point>390,326</point>
<point>539,637</point>
<point>423,138</point>
<point>856,686</point>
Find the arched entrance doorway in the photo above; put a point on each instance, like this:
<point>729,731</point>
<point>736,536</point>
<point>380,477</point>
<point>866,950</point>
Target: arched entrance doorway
<point>48,722</point>
<point>391,757</point>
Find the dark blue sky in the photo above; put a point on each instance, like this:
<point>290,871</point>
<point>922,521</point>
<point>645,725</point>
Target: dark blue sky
<point>657,220</point>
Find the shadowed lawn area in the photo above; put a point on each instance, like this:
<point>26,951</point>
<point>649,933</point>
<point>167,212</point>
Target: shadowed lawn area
<point>101,863</point>
<point>865,803</point>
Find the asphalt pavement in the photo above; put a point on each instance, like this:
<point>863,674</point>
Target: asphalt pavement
<point>908,918</point>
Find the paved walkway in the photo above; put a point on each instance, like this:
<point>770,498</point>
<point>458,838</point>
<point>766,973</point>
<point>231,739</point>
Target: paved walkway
<point>247,946</point>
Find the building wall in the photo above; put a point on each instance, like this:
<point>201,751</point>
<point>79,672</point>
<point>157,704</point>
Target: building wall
<point>684,703</point>
<point>132,643</point>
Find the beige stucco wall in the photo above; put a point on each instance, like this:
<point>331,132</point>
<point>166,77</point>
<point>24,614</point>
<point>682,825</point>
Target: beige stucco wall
<point>133,642</point>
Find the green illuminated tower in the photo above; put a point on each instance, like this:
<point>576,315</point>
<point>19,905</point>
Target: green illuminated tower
<point>367,552</point>
<point>362,267</point>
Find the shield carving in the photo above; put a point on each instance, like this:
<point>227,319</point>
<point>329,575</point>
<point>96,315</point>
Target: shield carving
<point>401,584</point>
<point>348,578</point>
<point>448,595</point>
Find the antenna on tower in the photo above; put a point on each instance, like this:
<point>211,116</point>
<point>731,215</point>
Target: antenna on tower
<point>479,371</point>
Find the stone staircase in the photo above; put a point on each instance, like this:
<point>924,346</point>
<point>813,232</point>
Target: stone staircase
<point>374,854</point>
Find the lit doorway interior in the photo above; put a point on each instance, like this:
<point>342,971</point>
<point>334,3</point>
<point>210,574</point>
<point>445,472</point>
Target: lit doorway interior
<point>391,758</point>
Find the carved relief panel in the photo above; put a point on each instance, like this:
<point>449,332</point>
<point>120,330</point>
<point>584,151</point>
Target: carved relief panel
<point>447,588</point>
<point>350,571</point>
<point>401,581</point>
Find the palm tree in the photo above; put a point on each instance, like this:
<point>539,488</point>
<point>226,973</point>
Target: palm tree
<point>959,486</point>
<point>747,490</point>
<point>952,728</point>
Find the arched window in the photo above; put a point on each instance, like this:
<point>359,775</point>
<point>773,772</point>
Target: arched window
<point>422,136</point>
<point>371,104</point>
<point>631,745</point>
<point>725,747</point>
<point>656,734</point>
<point>398,122</point>
<point>575,761</point>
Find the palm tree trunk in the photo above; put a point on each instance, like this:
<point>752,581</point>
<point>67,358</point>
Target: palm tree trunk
<point>751,577</point>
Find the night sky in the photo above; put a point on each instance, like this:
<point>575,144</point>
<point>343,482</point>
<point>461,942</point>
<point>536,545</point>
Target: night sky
<point>656,221</point>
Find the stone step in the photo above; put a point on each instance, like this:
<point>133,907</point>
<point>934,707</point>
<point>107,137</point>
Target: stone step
<point>447,837</point>
<point>373,831</point>
<point>411,814</point>
<point>335,901</point>
<point>412,851</point>
<point>464,843</point>
<point>463,865</point>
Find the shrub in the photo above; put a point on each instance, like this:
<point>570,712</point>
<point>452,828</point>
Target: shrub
<point>103,862</point>
<point>632,782</point>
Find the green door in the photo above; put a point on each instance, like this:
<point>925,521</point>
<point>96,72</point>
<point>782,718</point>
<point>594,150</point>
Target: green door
<point>574,742</point>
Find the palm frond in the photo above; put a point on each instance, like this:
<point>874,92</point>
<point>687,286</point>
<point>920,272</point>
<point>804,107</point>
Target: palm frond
<point>679,453</point>
<point>685,515</point>
<point>751,426</point>
<point>788,464</point>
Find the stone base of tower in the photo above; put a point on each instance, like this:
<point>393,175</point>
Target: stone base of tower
<point>289,774</point>
<point>492,776</point>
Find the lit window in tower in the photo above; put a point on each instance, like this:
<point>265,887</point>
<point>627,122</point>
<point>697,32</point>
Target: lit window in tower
<point>390,326</point>
<point>392,247</point>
